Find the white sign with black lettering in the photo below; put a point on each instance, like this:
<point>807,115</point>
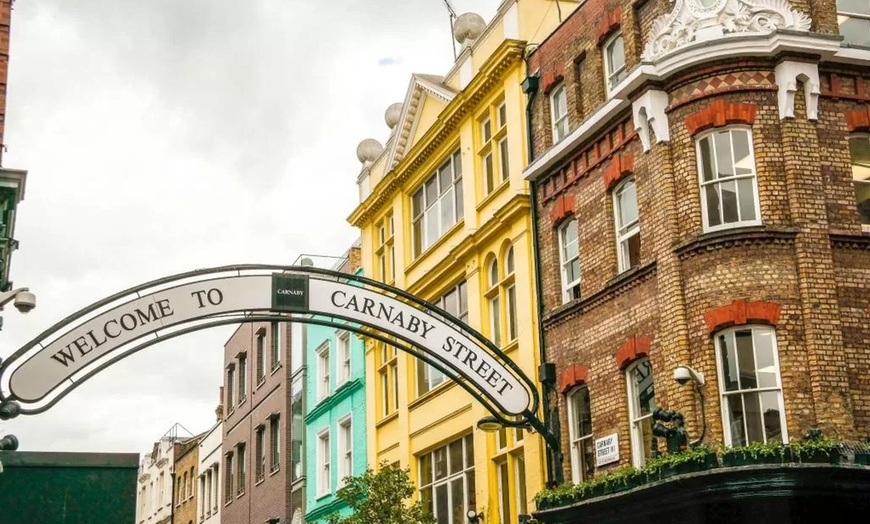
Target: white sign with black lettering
<point>606,450</point>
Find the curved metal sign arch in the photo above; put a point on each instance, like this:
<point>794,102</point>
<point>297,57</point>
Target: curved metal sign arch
<point>44,370</point>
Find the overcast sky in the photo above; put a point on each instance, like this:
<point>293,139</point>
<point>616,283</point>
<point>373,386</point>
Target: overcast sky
<point>162,136</point>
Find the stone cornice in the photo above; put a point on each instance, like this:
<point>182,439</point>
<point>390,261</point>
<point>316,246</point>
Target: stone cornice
<point>343,391</point>
<point>508,54</point>
<point>746,236</point>
<point>614,287</point>
<point>847,241</point>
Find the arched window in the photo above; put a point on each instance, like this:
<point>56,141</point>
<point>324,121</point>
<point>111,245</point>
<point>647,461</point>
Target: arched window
<point>750,386</point>
<point>641,404</point>
<point>729,190</point>
<point>510,294</point>
<point>494,301</point>
<point>569,260</point>
<point>580,434</point>
<point>627,225</point>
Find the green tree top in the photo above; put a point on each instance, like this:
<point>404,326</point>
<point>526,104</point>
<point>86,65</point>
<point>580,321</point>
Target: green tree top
<point>379,498</point>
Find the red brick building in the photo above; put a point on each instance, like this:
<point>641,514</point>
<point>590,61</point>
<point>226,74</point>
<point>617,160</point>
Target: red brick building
<point>256,432</point>
<point>701,177</point>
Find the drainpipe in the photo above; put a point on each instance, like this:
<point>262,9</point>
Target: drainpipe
<point>546,372</point>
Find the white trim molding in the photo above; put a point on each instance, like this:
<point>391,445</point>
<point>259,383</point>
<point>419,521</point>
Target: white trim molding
<point>788,74</point>
<point>648,112</point>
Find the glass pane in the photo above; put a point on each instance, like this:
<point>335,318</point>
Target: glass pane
<point>501,438</point>
<point>463,302</point>
<point>431,227</point>
<point>509,261</point>
<point>417,203</point>
<point>457,189</point>
<point>487,130</point>
<point>859,150</point>
<point>722,146</point>
<point>861,7</point>
<point>504,502</point>
<point>574,271</point>
<point>729,363</point>
<point>493,272</point>
<point>445,178</point>
<point>487,172</point>
<point>588,456</point>
<point>505,163</point>
<point>469,451</point>
<point>746,190</point>
<point>584,422</point>
<point>495,320</point>
<point>766,371</point>
<point>418,236</point>
<point>615,55</point>
<point>426,469</point>
<point>706,160</point>
<point>470,493</point>
<point>633,256</point>
<point>440,459</point>
<point>431,191</point>
<point>502,115</point>
<point>457,166</point>
<point>728,191</point>
<point>426,498</point>
<point>512,312</point>
<point>644,388</point>
<point>735,420</point>
<point>627,199</point>
<point>771,416</point>
<point>862,199</point>
<point>646,436</point>
<point>447,214</point>
<point>457,496</point>
<point>855,30</point>
<point>455,449</point>
<point>712,195</point>
<point>442,504</point>
<point>520,481</point>
<point>752,411</point>
<point>745,359</point>
<point>742,159</point>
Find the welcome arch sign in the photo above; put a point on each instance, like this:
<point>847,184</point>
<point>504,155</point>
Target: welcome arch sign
<point>65,355</point>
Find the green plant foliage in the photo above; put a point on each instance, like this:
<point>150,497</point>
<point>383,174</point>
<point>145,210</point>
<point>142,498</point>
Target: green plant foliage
<point>380,498</point>
<point>760,450</point>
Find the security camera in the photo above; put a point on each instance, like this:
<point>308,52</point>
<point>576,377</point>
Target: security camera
<point>25,301</point>
<point>684,374</point>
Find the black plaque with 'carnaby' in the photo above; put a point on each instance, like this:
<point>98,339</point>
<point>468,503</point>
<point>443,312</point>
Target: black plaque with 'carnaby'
<point>290,293</point>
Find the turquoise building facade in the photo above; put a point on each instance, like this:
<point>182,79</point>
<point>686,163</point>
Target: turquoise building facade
<point>335,416</point>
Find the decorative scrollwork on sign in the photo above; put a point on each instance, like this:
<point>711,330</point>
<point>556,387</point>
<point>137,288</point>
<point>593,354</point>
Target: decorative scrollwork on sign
<point>682,25</point>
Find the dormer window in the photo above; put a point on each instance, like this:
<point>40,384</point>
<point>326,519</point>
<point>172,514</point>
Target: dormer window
<point>614,61</point>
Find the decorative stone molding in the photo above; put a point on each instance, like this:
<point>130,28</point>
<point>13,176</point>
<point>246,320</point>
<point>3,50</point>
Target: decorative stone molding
<point>572,377</point>
<point>620,166</point>
<point>741,312</point>
<point>699,20</point>
<point>631,350</point>
<point>647,112</point>
<point>788,74</point>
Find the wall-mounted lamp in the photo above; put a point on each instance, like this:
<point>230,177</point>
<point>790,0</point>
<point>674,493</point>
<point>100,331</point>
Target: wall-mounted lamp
<point>473,516</point>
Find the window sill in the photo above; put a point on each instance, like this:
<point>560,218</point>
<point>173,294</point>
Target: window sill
<point>240,495</point>
<point>387,419</point>
<point>261,382</point>
<point>274,471</point>
<point>275,369</point>
<point>260,481</point>
<point>706,241</point>
<point>441,240</point>
<point>496,191</point>
<point>432,393</point>
<point>321,496</point>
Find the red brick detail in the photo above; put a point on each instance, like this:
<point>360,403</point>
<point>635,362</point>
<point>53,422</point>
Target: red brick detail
<point>741,312</point>
<point>631,350</point>
<point>719,114</point>
<point>571,377</point>
<point>552,78</point>
<point>858,120</point>
<point>563,207</point>
<point>619,167</point>
<point>609,24</point>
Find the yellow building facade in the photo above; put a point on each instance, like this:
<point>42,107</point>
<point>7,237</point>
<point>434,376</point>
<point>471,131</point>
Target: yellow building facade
<point>445,215</point>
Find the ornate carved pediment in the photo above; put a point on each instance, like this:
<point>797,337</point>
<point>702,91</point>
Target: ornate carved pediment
<point>699,20</point>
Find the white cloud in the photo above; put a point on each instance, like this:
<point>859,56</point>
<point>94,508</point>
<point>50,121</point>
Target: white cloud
<point>162,136</point>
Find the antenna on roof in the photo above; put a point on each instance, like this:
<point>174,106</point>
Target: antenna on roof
<point>452,18</point>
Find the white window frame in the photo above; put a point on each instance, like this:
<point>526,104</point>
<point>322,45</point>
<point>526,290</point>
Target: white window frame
<point>432,210</point>
<point>343,353</point>
<point>494,301</point>
<point>757,331</point>
<point>323,455</point>
<point>465,475</point>
<point>850,14</point>
<point>576,442</point>
<point>612,77</point>
<point>458,299</point>
<point>560,123</point>
<point>856,183</point>
<point>638,446</point>
<point>625,232</point>
<point>323,370</point>
<point>243,377</point>
<point>345,448</point>
<point>719,181</point>
<point>511,296</point>
<point>564,262</point>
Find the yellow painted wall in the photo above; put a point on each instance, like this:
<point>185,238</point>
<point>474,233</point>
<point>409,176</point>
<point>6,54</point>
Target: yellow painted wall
<point>488,224</point>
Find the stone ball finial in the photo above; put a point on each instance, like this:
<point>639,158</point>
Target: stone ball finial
<point>392,115</point>
<point>368,150</point>
<point>468,27</point>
